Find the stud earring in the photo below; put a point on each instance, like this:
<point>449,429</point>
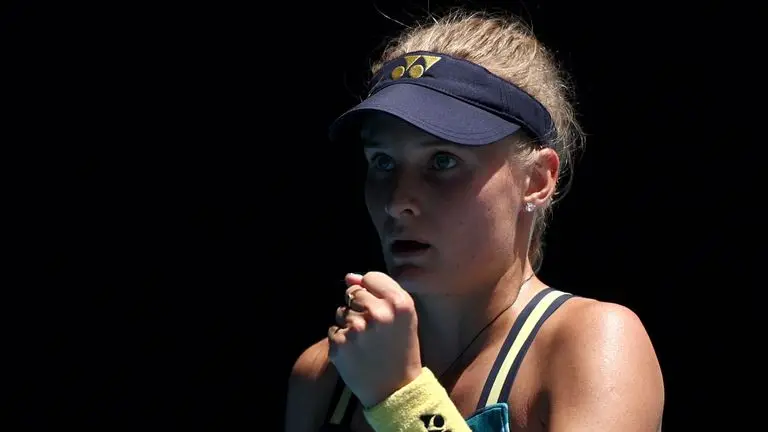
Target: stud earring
<point>529,207</point>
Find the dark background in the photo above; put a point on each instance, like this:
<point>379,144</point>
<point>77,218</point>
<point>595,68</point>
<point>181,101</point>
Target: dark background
<point>184,225</point>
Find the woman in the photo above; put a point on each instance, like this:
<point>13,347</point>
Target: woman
<point>467,129</point>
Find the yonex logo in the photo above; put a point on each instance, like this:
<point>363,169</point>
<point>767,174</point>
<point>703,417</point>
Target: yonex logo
<point>414,68</point>
<point>434,423</point>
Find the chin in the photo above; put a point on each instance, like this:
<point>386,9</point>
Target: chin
<point>413,279</point>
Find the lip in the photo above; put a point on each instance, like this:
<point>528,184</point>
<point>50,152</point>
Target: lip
<point>410,255</point>
<point>405,237</point>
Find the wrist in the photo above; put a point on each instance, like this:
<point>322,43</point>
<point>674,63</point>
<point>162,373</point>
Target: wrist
<point>410,375</point>
<point>416,406</point>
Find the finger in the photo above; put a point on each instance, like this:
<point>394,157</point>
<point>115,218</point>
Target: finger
<point>353,279</point>
<point>341,316</point>
<point>355,323</point>
<point>376,309</point>
<point>343,312</point>
<point>349,296</point>
<point>384,287</point>
<point>336,335</point>
<point>362,299</point>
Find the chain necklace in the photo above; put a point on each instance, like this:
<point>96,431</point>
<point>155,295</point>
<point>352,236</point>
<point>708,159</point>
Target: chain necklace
<point>461,354</point>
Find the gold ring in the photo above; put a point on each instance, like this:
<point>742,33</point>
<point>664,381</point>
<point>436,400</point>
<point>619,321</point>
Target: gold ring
<point>351,296</point>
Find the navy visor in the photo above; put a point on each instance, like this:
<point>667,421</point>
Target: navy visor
<point>453,99</point>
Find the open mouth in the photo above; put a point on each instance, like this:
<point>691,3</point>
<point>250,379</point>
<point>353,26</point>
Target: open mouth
<point>400,247</point>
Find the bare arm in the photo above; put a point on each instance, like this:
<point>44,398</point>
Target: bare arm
<point>604,374</point>
<point>310,388</point>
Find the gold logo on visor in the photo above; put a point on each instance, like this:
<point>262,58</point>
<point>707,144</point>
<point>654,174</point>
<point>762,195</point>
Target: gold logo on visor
<point>414,69</point>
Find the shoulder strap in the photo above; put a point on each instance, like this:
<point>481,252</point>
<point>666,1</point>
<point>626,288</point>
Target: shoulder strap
<point>342,406</point>
<point>527,324</point>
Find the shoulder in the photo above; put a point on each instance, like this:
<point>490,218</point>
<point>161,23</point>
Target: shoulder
<point>602,365</point>
<point>585,320</point>
<point>312,364</point>
<point>310,388</point>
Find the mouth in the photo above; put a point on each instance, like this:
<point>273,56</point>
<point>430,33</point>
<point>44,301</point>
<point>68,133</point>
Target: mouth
<point>404,248</point>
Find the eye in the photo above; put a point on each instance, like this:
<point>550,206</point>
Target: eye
<point>382,162</point>
<point>443,161</point>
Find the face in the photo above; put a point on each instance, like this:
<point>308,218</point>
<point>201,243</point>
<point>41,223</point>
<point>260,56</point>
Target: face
<point>446,214</point>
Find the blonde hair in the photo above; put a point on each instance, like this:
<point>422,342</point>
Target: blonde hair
<point>506,47</point>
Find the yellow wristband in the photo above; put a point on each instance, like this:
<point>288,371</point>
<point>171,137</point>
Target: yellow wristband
<point>422,405</point>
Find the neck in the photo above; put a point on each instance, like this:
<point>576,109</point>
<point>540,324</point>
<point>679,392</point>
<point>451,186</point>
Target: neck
<point>449,323</point>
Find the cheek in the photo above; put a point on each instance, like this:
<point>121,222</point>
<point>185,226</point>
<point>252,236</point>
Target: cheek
<point>471,224</point>
<point>482,226</point>
<point>462,218</point>
<point>469,245</point>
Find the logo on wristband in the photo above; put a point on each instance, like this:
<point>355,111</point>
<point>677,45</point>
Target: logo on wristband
<point>434,423</point>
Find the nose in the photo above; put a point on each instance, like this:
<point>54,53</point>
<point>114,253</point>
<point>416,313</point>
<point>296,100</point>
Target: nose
<point>403,201</point>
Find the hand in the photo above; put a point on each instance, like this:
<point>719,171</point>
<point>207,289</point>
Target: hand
<point>375,346</point>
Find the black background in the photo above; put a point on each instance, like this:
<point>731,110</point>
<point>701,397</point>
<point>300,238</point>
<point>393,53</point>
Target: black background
<point>185,225</point>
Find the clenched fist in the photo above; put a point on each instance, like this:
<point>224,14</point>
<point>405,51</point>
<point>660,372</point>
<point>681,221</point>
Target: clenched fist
<point>375,344</point>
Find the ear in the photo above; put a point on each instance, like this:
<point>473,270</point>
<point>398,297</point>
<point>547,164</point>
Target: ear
<point>542,178</point>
